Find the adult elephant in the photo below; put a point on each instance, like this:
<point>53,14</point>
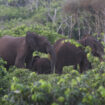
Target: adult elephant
<point>68,54</point>
<point>18,50</point>
<point>41,65</point>
<point>96,46</point>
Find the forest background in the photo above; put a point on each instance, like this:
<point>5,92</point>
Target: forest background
<point>73,18</point>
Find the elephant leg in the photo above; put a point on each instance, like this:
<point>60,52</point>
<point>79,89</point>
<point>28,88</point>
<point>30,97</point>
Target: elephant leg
<point>81,65</point>
<point>85,66</point>
<point>28,61</point>
<point>90,66</point>
<point>19,62</point>
<point>58,69</point>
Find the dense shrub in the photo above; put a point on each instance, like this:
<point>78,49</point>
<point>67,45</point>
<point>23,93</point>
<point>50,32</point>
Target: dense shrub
<point>3,78</point>
<point>70,88</point>
<point>6,14</point>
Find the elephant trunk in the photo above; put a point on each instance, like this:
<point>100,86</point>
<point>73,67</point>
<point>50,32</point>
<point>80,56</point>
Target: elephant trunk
<point>53,58</point>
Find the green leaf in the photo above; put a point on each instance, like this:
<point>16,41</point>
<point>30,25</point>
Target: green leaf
<point>101,89</point>
<point>34,97</point>
<point>54,103</point>
<point>67,92</point>
<point>61,99</point>
<point>73,82</point>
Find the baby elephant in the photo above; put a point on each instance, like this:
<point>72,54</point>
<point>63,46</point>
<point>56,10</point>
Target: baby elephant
<point>41,65</point>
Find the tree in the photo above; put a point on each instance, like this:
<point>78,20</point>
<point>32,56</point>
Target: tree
<point>88,15</point>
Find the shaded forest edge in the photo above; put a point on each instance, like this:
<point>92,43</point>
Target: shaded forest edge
<point>71,18</point>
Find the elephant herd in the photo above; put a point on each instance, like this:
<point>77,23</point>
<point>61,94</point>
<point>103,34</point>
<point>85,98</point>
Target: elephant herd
<point>68,54</point>
<point>18,51</point>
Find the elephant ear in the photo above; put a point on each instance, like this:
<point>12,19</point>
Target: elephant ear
<point>88,42</point>
<point>99,49</point>
<point>94,44</point>
<point>31,40</point>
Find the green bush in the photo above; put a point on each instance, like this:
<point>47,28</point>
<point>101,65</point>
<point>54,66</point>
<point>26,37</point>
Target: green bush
<point>8,12</point>
<point>3,78</point>
<point>39,29</point>
<point>71,88</point>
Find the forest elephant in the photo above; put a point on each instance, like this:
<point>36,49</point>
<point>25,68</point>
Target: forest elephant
<point>18,50</point>
<point>68,54</point>
<point>41,65</point>
<point>96,46</point>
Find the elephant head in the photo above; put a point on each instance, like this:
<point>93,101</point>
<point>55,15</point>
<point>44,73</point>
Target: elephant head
<point>41,44</point>
<point>96,46</point>
<point>35,59</point>
<point>41,65</point>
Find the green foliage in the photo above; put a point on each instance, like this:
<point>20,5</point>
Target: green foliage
<point>68,69</point>
<point>6,14</point>
<point>3,78</point>
<point>94,60</point>
<point>71,88</point>
<point>39,29</point>
<point>72,41</point>
<point>22,86</point>
<point>29,13</point>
